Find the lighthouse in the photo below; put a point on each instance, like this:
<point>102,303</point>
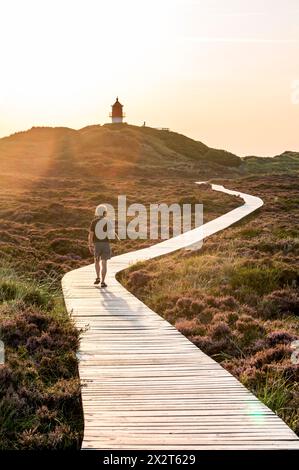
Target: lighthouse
<point>117,114</point>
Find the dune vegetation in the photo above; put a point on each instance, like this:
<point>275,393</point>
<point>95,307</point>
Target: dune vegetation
<point>287,162</point>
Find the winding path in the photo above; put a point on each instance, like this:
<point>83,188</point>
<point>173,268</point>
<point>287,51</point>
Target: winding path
<point>146,386</point>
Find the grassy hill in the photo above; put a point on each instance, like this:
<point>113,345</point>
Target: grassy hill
<point>285,163</point>
<point>109,149</point>
<point>121,150</point>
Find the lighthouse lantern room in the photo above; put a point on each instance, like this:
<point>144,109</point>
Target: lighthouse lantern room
<point>117,114</point>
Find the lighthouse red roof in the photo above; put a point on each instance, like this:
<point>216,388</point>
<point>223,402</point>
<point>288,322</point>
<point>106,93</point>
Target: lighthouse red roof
<point>117,114</point>
<point>117,109</point>
<point>117,103</point>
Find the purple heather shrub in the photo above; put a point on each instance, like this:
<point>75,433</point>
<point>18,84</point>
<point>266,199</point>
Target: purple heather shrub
<point>211,301</point>
<point>183,304</point>
<point>249,328</point>
<point>291,372</point>
<point>170,314</point>
<point>279,337</point>
<point>189,327</point>
<point>280,302</point>
<point>220,330</point>
<point>228,301</point>
<point>218,349</point>
<point>197,306</point>
<point>232,317</point>
<point>266,357</point>
<point>219,317</point>
<point>206,315</point>
<point>45,415</point>
<point>139,279</point>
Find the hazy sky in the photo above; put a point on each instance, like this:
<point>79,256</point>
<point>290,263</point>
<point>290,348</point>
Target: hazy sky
<point>219,71</point>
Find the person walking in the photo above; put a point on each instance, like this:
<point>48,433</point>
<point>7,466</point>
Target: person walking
<point>101,230</point>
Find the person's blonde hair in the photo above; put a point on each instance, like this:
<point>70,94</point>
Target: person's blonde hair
<point>100,211</point>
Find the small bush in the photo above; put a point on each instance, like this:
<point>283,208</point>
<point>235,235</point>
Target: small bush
<point>261,280</point>
<point>275,354</point>
<point>183,305</point>
<point>8,290</point>
<point>206,315</point>
<point>190,327</point>
<point>249,330</point>
<point>280,302</point>
<point>220,330</point>
<point>197,306</point>
<point>37,297</point>
<point>139,279</point>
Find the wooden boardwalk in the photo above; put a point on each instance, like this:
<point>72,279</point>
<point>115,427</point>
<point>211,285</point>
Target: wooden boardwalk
<point>146,386</point>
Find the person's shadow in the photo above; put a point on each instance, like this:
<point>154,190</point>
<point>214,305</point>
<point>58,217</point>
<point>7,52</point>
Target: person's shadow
<point>118,307</point>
